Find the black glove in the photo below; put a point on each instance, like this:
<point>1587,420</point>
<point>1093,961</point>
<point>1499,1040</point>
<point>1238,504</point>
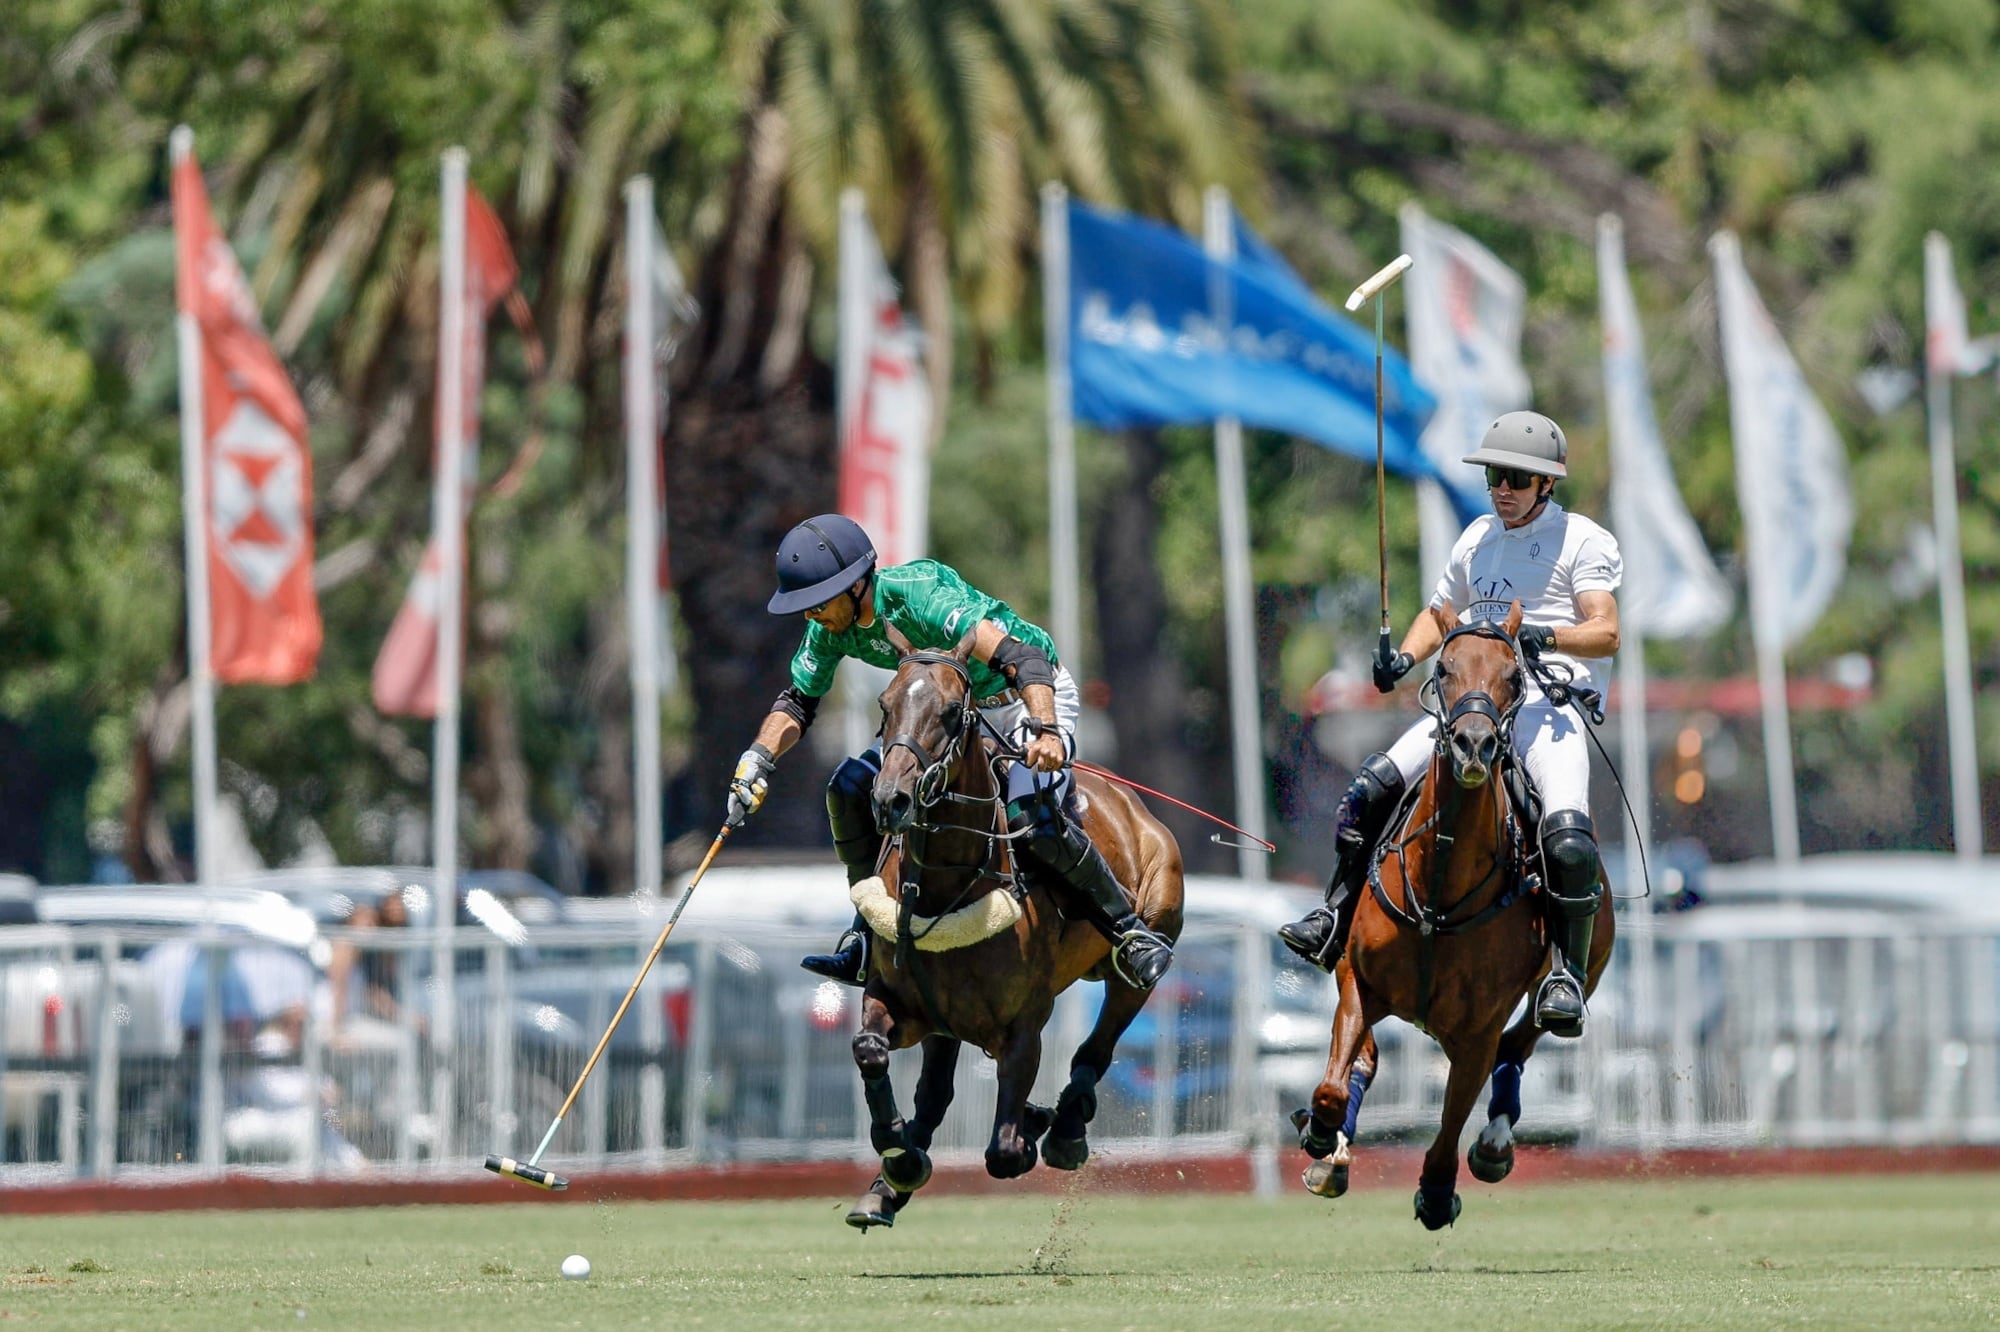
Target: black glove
<point>1537,639</point>
<point>1388,670</point>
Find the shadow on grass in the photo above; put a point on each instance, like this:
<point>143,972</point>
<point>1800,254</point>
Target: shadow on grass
<point>980,1276</point>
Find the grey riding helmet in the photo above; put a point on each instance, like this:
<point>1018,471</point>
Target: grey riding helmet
<point>818,560</point>
<point>1527,440</point>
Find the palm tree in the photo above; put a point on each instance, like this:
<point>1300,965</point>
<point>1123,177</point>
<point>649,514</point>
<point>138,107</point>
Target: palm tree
<point>322,143</point>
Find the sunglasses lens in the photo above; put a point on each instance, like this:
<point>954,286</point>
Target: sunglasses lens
<point>1513,477</point>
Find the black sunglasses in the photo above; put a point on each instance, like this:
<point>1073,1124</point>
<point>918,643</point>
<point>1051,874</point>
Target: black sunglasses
<point>1517,478</point>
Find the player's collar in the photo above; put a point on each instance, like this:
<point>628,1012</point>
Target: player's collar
<point>1551,512</point>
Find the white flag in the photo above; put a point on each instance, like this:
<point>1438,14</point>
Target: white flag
<point>1947,348</point>
<point>1465,310</point>
<point>675,311</point>
<point>885,401</point>
<point>1672,588</point>
<point>1791,468</point>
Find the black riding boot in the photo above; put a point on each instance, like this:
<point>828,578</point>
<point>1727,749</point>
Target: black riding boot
<point>1320,936</point>
<point>1065,850</point>
<point>1571,854</point>
<point>859,846</point>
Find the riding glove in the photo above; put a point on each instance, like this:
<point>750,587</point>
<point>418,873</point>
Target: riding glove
<point>1388,670</point>
<point>1537,639</point>
<point>751,783</point>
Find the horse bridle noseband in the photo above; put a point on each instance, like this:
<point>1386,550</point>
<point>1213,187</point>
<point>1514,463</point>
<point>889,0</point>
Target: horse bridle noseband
<point>1476,702</point>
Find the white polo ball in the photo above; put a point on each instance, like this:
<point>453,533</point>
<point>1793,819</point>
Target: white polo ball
<point>576,1267</point>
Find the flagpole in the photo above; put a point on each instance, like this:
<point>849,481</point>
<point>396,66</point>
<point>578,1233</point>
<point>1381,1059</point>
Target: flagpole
<point>642,537</point>
<point>1239,607</point>
<point>1634,751</point>
<point>448,503</point>
<point>1065,575</point>
<point>194,512</point>
<point>1968,825</point>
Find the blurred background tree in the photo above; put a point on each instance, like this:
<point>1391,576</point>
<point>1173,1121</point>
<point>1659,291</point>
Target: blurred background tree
<point>1831,136</point>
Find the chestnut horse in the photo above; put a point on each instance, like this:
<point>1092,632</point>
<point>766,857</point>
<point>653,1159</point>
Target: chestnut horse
<point>940,798</point>
<point>1448,935</point>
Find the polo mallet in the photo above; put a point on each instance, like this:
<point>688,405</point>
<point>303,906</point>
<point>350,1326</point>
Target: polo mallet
<point>1384,278</point>
<point>528,1172</point>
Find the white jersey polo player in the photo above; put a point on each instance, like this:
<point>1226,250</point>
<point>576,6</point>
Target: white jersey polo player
<point>1565,570</point>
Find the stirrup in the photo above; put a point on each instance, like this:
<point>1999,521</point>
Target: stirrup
<point>1293,935</point>
<point>1155,955</point>
<point>1550,1014</point>
<point>847,963</point>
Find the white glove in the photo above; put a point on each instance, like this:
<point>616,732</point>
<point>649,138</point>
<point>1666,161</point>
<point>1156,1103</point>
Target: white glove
<point>751,783</point>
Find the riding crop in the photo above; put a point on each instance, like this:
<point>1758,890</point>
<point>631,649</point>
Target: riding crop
<point>530,1171</point>
<point>1373,288</point>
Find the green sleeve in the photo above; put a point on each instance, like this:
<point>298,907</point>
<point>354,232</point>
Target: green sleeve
<point>814,664</point>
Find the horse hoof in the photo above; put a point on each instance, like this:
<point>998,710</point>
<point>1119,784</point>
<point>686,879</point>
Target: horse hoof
<point>869,1213</point>
<point>1327,1177</point>
<point>1012,1165</point>
<point>1491,1158</point>
<point>1437,1208</point>
<point>878,1206</point>
<point>1065,1153</point>
<point>1035,1121</point>
<point>906,1171</point>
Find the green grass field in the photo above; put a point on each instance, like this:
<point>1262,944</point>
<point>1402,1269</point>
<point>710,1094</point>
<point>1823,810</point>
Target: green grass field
<point>1882,1252</point>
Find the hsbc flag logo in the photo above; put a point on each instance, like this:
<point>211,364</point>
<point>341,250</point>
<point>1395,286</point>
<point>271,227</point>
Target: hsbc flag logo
<point>256,504</point>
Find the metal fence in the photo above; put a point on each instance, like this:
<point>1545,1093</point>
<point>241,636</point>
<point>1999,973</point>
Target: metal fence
<point>136,1053</point>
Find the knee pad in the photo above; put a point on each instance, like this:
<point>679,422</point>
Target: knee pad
<point>848,795</point>
<point>1369,799</point>
<point>1571,852</point>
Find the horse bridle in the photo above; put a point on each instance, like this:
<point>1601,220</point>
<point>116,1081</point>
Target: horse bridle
<point>934,774</point>
<point>1475,702</point>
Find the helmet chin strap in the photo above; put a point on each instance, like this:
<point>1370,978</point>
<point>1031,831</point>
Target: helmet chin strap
<point>854,598</point>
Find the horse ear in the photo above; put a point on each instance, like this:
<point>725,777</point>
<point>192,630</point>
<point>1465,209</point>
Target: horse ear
<point>964,649</point>
<point>1513,625</point>
<point>904,647</point>
<point>1444,617</point>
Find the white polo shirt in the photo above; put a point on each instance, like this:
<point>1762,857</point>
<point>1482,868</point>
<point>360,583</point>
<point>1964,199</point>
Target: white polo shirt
<point>1545,566</point>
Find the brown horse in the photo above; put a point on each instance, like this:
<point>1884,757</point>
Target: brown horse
<point>1448,935</point>
<point>940,799</point>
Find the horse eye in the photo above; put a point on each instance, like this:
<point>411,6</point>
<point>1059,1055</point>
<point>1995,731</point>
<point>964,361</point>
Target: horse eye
<point>953,717</point>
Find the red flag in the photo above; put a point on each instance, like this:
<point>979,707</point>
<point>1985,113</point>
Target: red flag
<point>404,683</point>
<point>885,400</point>
<point>263,611</point>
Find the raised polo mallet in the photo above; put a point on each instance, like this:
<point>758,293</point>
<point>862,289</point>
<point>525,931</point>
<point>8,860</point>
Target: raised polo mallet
<point>528,1171</point>
<point>1383,279</point>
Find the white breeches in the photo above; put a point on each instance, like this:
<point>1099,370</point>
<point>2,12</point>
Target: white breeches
<point>1548,740</point>
<point>1010,720</point>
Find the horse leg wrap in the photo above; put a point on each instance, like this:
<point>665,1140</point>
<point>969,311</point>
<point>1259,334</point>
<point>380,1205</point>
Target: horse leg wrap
<point>1506,1101</point>
<point>1357,1087</point>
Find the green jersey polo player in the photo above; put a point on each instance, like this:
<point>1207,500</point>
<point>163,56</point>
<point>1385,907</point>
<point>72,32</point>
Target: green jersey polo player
<point>827,571</point>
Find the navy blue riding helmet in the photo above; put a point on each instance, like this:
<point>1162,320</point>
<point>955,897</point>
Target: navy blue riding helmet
<point>818,560</point>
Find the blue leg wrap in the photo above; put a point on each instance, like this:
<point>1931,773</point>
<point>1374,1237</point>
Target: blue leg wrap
<point>1357,1087</point>
<point>1506,1093</point>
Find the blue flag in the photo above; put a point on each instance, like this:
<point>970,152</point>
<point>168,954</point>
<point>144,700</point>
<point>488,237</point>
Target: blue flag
<point>1160,334</point>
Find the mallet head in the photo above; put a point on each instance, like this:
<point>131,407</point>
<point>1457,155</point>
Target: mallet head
<point>1389,272</point>
<point>527,1174</point>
